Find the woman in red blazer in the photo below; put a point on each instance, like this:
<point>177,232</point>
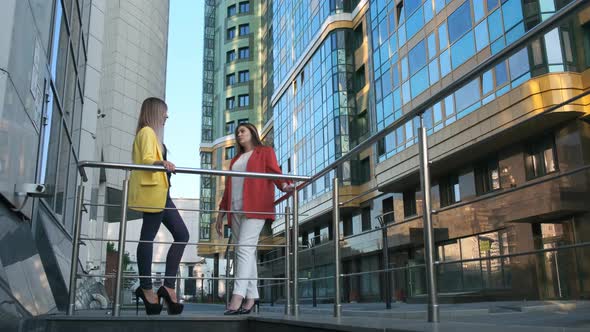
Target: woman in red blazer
<point>254,199</point>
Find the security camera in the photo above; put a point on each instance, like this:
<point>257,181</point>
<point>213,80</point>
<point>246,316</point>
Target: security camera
<point>29,189</point>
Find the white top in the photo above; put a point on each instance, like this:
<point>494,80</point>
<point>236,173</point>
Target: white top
<point>237,183</point>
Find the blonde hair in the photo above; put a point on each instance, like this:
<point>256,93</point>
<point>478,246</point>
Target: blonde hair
<point>152,114</point>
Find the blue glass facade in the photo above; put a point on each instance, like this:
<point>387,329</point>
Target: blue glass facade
<point>312,117</point>
<point>292,34</point>
<point>472,27</point>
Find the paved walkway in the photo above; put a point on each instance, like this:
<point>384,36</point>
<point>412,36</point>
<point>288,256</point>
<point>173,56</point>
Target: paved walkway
<point>537,316</point>
<point>511,315</point>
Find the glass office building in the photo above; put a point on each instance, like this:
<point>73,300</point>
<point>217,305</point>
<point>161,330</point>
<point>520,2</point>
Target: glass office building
<point>507,177</point>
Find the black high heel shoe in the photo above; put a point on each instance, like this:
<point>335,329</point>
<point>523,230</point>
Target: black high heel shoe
<point>150,308</point>
<point>255,306</point>
<point>173,308</point>
<point>238,311</point>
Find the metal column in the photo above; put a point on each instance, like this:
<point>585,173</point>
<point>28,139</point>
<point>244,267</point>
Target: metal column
<point>122,231</point>
<point>433,309</point>
<point>295,253</point>
<point>75,250</point>
<point>287,263</point>
<point>336,232</point>
<point>387,277</point>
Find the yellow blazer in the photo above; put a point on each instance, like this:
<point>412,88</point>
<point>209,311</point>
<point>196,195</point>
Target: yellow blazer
<point>147,188</point>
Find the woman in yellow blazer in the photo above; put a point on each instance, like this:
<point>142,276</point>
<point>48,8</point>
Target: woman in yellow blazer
<point>149,193</point>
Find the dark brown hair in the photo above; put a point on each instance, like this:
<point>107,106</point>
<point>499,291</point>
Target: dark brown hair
<point>253,131</point>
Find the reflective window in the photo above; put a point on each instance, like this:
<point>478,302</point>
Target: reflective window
<point>244,29</point>
<point>230,152</point>
<point>495,25</point>
<point>487,177</point>
<point>419,82</point>
<point>231,33</point>
<point>450,192</point>
<point>243,76</point>
<point>553,47</point>
<point>244,52</point>
<point>417,57</point>
<point>481,36</point>
<point>459,21</point>
<point>230,56</point>
<point>443,39</point>
<point>409,198</point>
<point>230,103</point>
<point>230,127</point>
<point>519,63</point>
<point>244,6</point>
<point>415,23</point>
<point>462,50</point>
<point>230,79</point>
<point>540,158</point>
<point>243,100</point>
<point>231,10</point>
<point>512,13</point>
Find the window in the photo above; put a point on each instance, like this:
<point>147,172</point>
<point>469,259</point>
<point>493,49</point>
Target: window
<point>230,79</point>
<point>417,57</point>
<point>231,33</point>
<point>230,152</point>
<point>450,192</point>
<point>230,56</point>
<point>231,10</point>
<point>230,103</point>
<point>230,127</point>
<point>226,232</point>
<point>240,121</point>
<point>245,7</point>
<point>243,100</point>
<point>365,170</point>
<point>243,52</point>
<point>358,36</point>
<point>540,158</point>
<point>459,21</point>
<point>366,218</point>
<point>387,210</point>
<point>409,203</point>
<point>243,76</point>
<point>244,29</point>
<point>487,177</point>
<point>359,78</point>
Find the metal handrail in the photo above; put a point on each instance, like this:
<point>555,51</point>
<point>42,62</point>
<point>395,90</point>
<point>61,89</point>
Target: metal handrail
<point>82,165</point>
<point>187,243</point>
<point>184,209</point>
<point>134,276</point>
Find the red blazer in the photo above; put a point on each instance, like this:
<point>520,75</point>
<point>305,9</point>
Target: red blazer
<point>258,195</point>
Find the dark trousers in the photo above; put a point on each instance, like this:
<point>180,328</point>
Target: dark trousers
<point>151,224</point>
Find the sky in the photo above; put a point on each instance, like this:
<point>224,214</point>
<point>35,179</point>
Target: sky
<point>184,93</point>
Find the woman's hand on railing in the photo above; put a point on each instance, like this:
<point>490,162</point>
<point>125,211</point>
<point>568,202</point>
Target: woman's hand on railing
<point>169,166</point>
<point>288,187</point>
<point>219,224</point>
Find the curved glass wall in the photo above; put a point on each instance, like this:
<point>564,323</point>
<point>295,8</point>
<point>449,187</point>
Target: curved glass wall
<point>404,68</point>
<point>292,35</point>
<point>313,116</point>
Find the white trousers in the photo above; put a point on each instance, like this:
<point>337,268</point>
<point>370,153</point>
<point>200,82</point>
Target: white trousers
<point>246,231</point>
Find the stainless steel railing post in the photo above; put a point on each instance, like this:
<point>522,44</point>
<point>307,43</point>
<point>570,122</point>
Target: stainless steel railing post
<point>433,309</point>
<point>295,253</point>
<point>122,231</point>
<point>287,264</point>
<point>75,250</point>
<point>336,232</point>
